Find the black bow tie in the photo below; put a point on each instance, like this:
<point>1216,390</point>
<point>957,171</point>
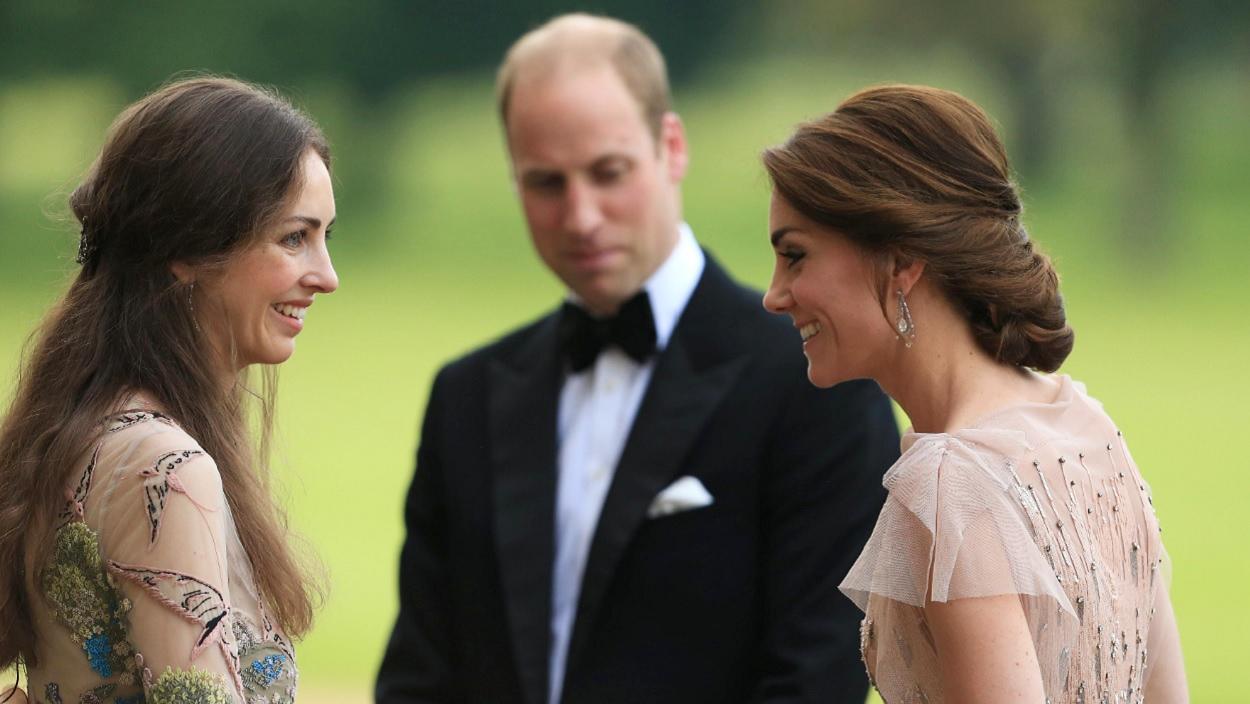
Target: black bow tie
<point>632,329</point>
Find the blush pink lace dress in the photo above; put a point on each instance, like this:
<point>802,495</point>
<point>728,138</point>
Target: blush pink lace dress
<point>147,595</point>
<point>1039,500</point>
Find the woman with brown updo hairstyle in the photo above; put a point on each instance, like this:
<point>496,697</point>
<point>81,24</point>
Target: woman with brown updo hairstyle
<point>142,555</point>
<point>1017,558</point>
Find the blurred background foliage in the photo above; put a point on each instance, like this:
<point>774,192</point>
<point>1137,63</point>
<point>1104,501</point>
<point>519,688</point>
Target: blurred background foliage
<point>1122,118</point>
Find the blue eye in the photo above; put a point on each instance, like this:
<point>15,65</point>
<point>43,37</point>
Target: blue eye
<point>295,238</point>
<point>328,233</point>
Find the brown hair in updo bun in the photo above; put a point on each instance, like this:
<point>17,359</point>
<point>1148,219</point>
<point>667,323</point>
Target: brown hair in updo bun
<point>919,173</point>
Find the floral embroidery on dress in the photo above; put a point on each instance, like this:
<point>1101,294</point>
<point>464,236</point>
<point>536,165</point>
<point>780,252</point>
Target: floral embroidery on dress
<point>158,481</point>
<point>82,591</point>
<point>83,599</point>
<point>95,696</point>
<point>265,670</point>
<point>189,687</point>
<point>269,677</point>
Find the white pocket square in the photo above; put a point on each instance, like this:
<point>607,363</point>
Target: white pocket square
<point>682,495</point>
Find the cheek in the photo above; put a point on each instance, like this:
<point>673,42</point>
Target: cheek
<point>545,243</point>
<point>629,202</point>
<point>274,280</point>
<point>279,279</point>
<point>540,213</point>
<point>851,312</point>
<point>810,295</point>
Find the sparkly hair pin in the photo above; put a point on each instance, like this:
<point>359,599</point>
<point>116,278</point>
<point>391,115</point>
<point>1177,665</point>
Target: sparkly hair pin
<point>86,247</point>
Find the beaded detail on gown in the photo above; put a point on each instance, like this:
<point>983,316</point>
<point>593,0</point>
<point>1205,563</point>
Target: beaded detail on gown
<point>1038,500</point>
<point>148,595</point>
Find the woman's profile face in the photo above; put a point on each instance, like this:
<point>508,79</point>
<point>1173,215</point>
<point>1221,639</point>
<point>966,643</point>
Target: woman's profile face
<point>827,285</point>
<point>261,297</point>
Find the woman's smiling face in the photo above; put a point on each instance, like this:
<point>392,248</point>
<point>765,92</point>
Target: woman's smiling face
<point>829,287</point>
<point>259,299</point>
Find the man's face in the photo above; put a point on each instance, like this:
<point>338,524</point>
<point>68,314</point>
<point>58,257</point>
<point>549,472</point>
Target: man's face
<point>601,198</point>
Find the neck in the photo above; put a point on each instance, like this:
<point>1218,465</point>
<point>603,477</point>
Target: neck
<point>946,382</point>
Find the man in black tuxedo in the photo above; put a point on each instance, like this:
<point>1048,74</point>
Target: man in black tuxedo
<point>639,497</point>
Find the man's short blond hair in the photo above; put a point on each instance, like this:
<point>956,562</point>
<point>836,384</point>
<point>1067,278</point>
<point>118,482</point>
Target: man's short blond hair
<point>580,40</point>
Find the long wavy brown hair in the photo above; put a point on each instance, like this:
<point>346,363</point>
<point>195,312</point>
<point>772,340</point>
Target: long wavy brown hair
<point>190,173</point>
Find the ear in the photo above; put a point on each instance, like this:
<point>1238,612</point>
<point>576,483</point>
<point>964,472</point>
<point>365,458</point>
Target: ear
<point>905,273</point>
<point>182,271</point>
<point>673,146</point>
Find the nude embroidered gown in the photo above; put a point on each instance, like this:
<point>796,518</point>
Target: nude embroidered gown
<point>148,595</point>
<point>1039,500</point>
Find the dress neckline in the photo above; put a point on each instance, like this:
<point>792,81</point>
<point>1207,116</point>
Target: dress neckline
<point>1062,401</point>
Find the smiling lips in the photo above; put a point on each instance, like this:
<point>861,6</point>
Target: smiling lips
<point>291,311</point>
<point>809,331</point>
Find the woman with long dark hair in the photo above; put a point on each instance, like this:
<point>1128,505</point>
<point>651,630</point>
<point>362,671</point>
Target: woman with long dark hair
<point>143,553</point>
<point>1017,558</point>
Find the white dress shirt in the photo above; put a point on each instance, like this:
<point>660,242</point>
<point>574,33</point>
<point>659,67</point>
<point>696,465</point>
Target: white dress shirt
<point>597,409</point>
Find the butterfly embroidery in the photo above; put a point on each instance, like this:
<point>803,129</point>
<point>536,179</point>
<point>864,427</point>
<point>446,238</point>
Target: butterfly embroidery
<point>126,419</point>
<point>78,495</point>
<point>158,481</point>
<point>194,600</point>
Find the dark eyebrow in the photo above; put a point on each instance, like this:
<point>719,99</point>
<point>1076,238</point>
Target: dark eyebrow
<point>538,174</point>
<point>781,232</point>
<point>314,223</point>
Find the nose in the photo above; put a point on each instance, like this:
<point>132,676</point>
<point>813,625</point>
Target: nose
<point>777,297</point>
<point>582,213</point>
<point>321,277</point>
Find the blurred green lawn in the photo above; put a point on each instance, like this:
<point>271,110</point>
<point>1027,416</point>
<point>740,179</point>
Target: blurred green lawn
<point>433,261</point>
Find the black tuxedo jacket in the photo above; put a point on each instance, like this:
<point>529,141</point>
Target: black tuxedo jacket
<point>734,602</point>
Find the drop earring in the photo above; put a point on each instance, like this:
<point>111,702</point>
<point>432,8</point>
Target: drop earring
<point>905,326</point>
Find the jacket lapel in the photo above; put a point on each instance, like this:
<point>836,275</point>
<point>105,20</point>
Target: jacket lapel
<point>688,384</point>
<point>522,425</point>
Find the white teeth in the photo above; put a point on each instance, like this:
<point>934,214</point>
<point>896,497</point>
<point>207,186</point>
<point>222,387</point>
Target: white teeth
<point>297,312</point>
<point>809,330</point>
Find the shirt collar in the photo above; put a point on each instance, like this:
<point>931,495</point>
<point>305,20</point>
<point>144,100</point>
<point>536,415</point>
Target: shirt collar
<point>671,286</point>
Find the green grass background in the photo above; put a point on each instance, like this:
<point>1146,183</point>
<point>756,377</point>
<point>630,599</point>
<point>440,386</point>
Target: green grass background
<point>433,260</point>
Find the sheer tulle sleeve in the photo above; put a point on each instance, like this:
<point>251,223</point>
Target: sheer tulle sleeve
<point>955,526</point>
<point>163,539</point>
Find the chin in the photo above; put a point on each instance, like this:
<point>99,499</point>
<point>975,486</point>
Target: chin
<point>273,356</point>
<point>821,378</point>
<point>826,374</point>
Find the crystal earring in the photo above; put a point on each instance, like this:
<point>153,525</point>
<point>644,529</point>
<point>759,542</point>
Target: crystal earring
<point>905,326</point>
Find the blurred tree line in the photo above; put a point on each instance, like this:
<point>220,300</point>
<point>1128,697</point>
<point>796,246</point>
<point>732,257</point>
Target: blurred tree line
<point>1033,44</point>
<point>1035,47</point>
<point>374,48</point>
<point>379,45</point>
